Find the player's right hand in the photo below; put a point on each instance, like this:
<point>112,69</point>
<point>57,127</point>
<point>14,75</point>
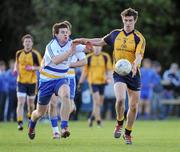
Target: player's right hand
<point>73,49</point>
<point>14,73</point>
<point>29,68</point>
<point>79,87</point>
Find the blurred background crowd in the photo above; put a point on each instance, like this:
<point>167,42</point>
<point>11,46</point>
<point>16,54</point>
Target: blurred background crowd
<point>160,94</point>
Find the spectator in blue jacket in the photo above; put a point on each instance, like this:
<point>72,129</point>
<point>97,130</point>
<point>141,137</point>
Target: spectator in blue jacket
<point>11,81</point>
<point>3,89</point>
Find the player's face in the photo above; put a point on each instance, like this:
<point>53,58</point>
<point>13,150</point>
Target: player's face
<point>63,35</point>
<point>174,67</point>
<point>129,23</point>
<point>97,50</point>
<point>147,64</point>
<point>27,43</point>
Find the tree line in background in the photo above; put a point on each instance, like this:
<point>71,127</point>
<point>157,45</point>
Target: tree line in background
<point>159,22</point>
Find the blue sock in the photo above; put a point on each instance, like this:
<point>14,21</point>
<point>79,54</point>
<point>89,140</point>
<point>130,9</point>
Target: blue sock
<point>64,124</point>
<point>32,124</point>
<point>54,121</point>
<point>146,116</point>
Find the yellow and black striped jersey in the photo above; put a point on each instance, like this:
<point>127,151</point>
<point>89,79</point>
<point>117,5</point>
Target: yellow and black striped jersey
<point>97,67</point>
<point>125,45</point>
<point>32,58</point>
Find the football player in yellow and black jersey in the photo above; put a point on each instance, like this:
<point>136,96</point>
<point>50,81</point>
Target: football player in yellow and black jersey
<point>99,72</point>
<point>27,63</point>
<point>129,44</point>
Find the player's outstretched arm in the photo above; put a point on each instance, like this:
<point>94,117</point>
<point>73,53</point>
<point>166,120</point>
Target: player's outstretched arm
<point>93,41</point>
<point>136,63</point>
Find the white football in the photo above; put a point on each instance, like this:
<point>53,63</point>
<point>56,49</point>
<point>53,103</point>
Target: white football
<point>123,67</point>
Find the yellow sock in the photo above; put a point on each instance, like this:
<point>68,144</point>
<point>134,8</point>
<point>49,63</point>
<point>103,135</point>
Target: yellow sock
<point>121,119</point>
<point>29,115</point>
<point>128,128</point>
<point>19,118</point>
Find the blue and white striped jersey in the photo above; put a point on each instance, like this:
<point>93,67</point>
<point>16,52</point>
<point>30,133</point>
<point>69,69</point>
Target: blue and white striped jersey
<point>49,70</point>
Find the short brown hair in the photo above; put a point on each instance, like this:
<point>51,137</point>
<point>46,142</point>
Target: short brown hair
<point>57,26</point>
<point>68,24</point>
<point>26,36</point>
<point>130,12</point>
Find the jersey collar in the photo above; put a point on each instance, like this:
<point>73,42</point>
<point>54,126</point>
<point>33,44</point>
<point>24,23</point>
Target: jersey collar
<point>128,33</point>
<point>60,43</point>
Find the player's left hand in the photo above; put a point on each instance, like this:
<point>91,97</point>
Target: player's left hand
<point>109,80</point>
<point>15,73</point>
<point>134,69</point>
<point>29,68</point>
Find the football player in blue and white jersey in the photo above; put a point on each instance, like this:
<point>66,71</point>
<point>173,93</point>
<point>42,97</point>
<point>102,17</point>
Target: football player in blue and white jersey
<point>53,77</point>
<point>77,60</point>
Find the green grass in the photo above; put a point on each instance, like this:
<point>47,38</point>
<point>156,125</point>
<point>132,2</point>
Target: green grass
<point>148,136</point>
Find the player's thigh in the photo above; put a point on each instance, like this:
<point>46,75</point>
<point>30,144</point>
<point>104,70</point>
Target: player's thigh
<point>21,99</point>
<point>120,91</point>
<point>101,99</point>
<point>21,93</point>
<point>96,97</point>
<point>54,99</point>
<point>42,109</point>
<point>30,100</point>
<point>64,91</point>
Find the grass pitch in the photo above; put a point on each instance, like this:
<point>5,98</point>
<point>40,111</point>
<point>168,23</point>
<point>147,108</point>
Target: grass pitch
<point>148,136</point>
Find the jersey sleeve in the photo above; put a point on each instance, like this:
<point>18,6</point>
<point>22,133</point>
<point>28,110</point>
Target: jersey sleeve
<point>17,55</point>
<point>140,48</point>
<point>80,55</point>
<point>39,58</point>
<point>49,51</point>
<point>47,57</point>
<point>80,48</point>
<point>109,62</point>
<point>110,38</point>
<point>85,69</point>
<point>36,58</point>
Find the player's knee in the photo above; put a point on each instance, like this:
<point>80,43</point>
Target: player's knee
<point>97,104</point>
<point>65,97</point>
<point>52,105</point>
<point>133,107</point>
<point>120,101</point>
<point>41,113</point>
<point>31,105</point>
<point>21,104</point>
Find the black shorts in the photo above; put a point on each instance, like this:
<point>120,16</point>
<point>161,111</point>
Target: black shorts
<point>98,88</point>
<point>133,83</point>
<point>29,89</point>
